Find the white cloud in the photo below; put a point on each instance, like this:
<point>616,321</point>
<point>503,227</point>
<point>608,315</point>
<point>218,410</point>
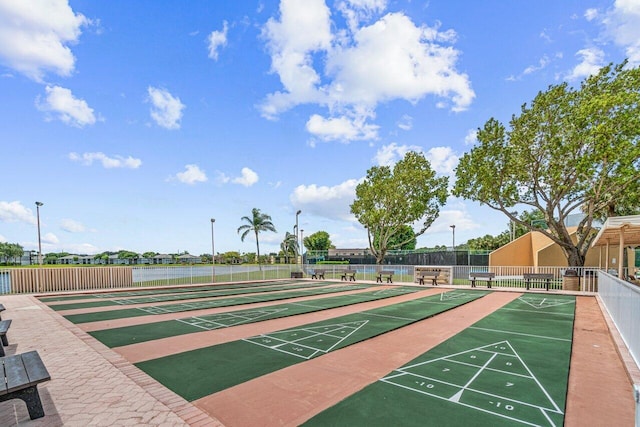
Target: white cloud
<point>35,36</point>
<point>71,110</point>
<point>392,58</point>
<point>591,14</point>
<point>443,160</point>
<point>191,175</point>
<point>328,202</point>
<point>405,122</point>
<point>341,128</point>
<point>592,61</point>
<point>248,178</point>
<point>217,39</point>
<point>72,226</point>
<point>389,154</point>
<point>3,239</point>
<point>542,63</point>
<point>303,28</point>
<point>50,238</point>
<point>471,137</point>
<point>166,110</point>
<point>107,162</point>
<point>16,212</point>
<point>623,26</point>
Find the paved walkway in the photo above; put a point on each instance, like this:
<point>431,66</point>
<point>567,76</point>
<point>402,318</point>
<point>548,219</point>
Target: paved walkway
<point>92,385</point>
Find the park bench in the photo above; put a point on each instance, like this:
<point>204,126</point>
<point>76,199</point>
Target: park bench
<point>481,276</point>
<point>4,327</point>
<point>387,274</point>
<point>318,274</point>
<point>433,275</point>
<point>539,277</point>
<point>22,374</point>
<point>348,274</point>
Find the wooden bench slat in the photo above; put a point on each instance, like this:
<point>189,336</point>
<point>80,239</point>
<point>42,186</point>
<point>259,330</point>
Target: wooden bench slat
<point>36,370</point>
<point>15,373</point>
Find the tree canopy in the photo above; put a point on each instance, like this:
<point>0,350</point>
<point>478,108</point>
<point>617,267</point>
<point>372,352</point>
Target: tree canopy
<point>391,198</point>
<point>318,241</point>
<point>570,151</point>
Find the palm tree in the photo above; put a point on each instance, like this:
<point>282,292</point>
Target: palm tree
<point>257,223</point>
<point>289,245</point>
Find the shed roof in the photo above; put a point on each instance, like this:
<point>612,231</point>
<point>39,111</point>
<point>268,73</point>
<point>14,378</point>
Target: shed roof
<point>616,228</point>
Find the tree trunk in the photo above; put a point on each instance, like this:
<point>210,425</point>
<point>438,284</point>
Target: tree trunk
<point>574,257</point>
<point>258,251</point>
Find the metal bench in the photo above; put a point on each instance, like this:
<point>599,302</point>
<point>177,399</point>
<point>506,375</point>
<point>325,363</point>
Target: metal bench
<point>528,277</point>
<point>387,274</point>
<point>348,275</point>
<point>433,275</point>
<point>4,327</point>
<point>318,274</point>
<point>22,374</point>
<point>482,276</point>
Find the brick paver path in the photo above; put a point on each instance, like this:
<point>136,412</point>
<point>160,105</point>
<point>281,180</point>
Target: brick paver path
<point>91,385</point>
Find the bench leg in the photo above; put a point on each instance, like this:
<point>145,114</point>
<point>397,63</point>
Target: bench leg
<point>343,278</point>
<point>379,279</point>
<point>527,284</point>
<point>389,280</point>
<point>435,282</point>
<point>489,284</point>
<point>420,281</point>
<point>31,398</point>
<point>473,283</point>
<point>547,284</point>
<point>5,340</point>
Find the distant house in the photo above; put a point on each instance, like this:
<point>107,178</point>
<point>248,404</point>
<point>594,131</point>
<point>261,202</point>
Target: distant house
<point>162,259</point>
<point>188,259</point>
<point>347,252</point>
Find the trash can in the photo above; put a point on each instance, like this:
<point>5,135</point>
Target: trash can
<point>296,274</point>
<point>571,280</point>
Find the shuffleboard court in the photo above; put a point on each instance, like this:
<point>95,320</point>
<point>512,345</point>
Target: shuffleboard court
<point>510,368</point>
<point>211,293</point>
<point>199,305</point>
<point>198,373</point>
<point>116,337</point>
<point>167,290</point>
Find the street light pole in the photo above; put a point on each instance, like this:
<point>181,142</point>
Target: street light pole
<point>297,232</point>
<point>301,248</point>
<point>38,204</point>
<point>213,254</point>
<point>453,231</point>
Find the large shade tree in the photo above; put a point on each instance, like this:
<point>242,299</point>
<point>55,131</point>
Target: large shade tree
<point>256,223</point>
<point>318,241</point>
<point>571,151</point>
<point>389,199</point>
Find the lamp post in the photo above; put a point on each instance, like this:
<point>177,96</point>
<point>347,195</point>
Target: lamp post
<point>213,254</point>
<point>301,248</point>
<point>297,232</point>
<point>38,204</point>
<point>453,231</point>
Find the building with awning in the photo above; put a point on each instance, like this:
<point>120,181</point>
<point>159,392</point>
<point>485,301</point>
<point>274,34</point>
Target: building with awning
<point>619,233</point>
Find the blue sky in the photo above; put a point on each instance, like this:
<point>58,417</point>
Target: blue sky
<point>135,122</point>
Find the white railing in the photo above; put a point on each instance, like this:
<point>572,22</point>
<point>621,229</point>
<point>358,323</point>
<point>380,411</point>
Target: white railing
<point>47,279</point>
<point>622,301</point>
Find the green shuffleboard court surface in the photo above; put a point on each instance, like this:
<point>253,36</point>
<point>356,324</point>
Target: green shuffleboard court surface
<point>211,293</point>
<point>169,290</point>
<point>510,368</point>
<point>199,305</point>
<point>152,331</point>
<point>198,373</point>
